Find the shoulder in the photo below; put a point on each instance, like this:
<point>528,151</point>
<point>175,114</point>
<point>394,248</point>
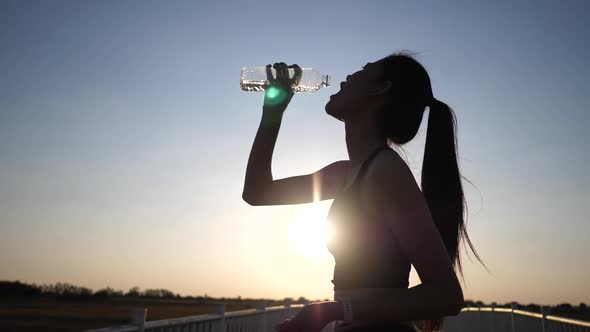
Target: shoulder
<point>387,165</point>
<point>338,169</point>
<point>332,176</point>
<point>342,164</point>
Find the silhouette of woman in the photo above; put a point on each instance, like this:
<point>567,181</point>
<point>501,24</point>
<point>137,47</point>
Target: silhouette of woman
<point>383,221</point>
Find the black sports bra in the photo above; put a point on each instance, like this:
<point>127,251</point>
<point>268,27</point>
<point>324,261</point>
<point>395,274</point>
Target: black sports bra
<point>366,252</point>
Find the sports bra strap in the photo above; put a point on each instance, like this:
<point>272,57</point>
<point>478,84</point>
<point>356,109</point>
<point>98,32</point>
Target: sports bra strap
<point>366,163</point>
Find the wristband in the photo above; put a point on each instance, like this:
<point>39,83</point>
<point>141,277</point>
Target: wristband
<point>346,308</point>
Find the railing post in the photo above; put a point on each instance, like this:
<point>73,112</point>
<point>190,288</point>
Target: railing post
<point>512,307</point>
<point>288,307</point>
<point>493,317</point>
<point>220,310</point>
<point>138,317</point>
<point>261,308</point>
<point>479,317</point>
<point>460,319</point>
<point>543,319</point>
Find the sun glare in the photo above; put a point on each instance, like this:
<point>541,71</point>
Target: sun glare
<point>308,232</point>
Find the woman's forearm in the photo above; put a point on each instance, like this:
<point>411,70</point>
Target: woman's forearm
<point>258,170</point>
<point>425,301</point>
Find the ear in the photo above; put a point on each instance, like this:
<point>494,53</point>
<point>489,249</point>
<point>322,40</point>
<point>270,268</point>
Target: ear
<point>381,88</point>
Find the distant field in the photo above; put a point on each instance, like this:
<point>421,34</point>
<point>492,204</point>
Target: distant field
<point>66,316</point>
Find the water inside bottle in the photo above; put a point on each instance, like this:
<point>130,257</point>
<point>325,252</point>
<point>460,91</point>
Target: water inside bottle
<point>249,85</point>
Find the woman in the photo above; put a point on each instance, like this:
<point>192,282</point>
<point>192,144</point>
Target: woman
<point>383,221</point>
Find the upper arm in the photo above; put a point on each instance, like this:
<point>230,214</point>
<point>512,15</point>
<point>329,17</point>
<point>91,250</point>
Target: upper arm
<point>321,185</point>
<point>391,194</point>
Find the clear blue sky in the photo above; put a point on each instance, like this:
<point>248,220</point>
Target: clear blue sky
<point>124,139</point>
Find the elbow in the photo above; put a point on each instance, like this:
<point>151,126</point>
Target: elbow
<point>450,298</point>
<point>249,198</point>
<point>457,302</point>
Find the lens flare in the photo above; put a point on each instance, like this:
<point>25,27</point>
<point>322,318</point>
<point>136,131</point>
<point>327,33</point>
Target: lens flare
<point>274,96</point>
<point>308,233</point>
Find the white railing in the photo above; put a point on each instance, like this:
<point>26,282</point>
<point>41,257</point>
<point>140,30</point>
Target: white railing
<point>491,319</point>
<point>263,319</point>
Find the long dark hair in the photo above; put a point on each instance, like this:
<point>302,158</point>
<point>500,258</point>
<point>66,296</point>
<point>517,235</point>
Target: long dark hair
<point>411,93</point>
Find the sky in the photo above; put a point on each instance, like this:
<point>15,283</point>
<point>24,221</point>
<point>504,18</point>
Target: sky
<point>124,138</point>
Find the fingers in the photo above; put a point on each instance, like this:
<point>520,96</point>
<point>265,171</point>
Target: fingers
<point>269,73</point>
<point>282,78</point>
<point>297,75</point>
<point>277,74</point>
<point>285,71</point>
<point>282,71</point>
<point>277,71</point>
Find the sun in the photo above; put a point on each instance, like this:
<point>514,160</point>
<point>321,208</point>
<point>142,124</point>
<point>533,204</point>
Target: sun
<point>308,232</point>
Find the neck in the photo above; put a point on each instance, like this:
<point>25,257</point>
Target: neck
<point>361,139</point>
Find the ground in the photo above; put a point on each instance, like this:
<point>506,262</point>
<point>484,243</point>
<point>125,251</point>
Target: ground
<point>65,316</point>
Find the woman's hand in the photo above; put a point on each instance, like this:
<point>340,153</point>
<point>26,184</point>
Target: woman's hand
<point>280,91</point>
<point>312,318</point>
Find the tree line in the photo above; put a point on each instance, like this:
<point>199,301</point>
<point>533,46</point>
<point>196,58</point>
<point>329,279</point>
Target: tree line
<point>66,291</point>
<point>562,308</point>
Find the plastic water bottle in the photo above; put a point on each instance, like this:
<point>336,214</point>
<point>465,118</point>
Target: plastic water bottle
<point>255,79</point>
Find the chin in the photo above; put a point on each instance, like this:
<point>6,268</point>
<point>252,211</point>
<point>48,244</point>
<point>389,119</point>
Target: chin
<point>333,112</point>
<point>329,108</point>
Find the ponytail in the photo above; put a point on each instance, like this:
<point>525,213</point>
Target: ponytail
<point>441,185</point>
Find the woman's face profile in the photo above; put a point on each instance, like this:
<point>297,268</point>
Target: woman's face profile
<point>354,93</point>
